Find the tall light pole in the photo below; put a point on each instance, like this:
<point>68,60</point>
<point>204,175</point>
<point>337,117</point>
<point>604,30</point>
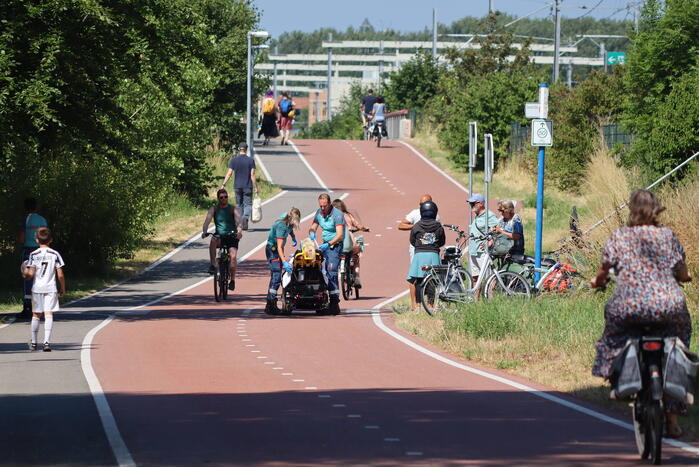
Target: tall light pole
<point>248,113</point>
<point>557,40</point>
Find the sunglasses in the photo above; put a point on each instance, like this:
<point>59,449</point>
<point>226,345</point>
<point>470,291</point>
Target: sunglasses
<point>223,197</point>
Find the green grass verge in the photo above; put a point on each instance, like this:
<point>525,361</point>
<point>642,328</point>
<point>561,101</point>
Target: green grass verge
<point>181,219</point>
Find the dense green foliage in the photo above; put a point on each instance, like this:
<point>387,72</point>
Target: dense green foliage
<point>578,114</point>
<point>415,83</point>
<point>346,122</point>
<point>662,101</point>
<point>105,107</point>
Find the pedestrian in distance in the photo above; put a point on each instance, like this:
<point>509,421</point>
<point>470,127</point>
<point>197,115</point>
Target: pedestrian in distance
<point>269,118</point>
<point>482,223</point>
<point>510,225</point>
<point>286,116</point>
<point>332,223</point>
<point>29,225</point>
<point>44,266</point>
<point>228,230</point>
<point>244,182</point>
<point>427,236</point>
<point>412,218</point>
<point>282,228</point>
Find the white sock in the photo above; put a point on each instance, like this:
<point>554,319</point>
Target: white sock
<point>35,329</point>
<point>48,325</point>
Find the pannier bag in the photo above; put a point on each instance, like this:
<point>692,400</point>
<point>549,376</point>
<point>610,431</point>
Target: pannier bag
<point>256,209</point>
<point>502,244</point>
<point>680,371</point>
<point>626,372</point>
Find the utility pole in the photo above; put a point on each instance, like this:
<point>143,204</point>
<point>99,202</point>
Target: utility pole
<point>274,76</point>
<point>491,6</point>
<point>380,64</point>
<point>330,76</point>
<point>557,40</point>
<point>434,33</point>
<point>603,53</point>
<point>636,15</point>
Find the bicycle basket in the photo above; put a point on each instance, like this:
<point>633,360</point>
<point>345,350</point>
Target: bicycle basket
<point>502,245</point>
<point>450,254</point>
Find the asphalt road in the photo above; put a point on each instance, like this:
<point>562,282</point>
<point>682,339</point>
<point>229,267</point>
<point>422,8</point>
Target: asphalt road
<point>189,381</point>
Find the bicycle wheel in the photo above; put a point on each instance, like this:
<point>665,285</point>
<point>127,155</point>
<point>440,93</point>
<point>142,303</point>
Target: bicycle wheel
<point>431,288</point>
<point>510,284</point>
<point>223,279</point>
<point>639,428</point>
<point>654,431</point>
<point>378,140</point>
<point>345,279</point>
<point>217,296</point>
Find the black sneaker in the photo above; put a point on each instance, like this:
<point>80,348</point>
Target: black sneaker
<point>47,347</point>
<point>334,305</point>
<point>32,346</point>
<point>271,307</point>
<point>245,223</point>
<point>212,269</point>
<point>231,285</point>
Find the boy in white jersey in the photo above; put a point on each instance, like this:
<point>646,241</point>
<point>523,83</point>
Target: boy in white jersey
<point>44,266</point>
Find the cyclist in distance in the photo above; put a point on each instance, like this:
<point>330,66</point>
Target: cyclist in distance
<point>228,232</point>
<point>274,250</point>
<point>348,244</point>
<point>332,224</point>
<point>649,262</point>
<point>367,106</point>
<point>378,112</point>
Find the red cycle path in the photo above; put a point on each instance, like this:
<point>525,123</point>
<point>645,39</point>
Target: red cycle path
<point>196,382</point>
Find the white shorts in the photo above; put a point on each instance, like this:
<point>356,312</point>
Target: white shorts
<point>477,263</point>
<point>42,302</point>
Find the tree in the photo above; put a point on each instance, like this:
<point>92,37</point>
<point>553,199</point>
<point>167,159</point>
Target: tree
<point>661,68</point>
<point>415,83</point>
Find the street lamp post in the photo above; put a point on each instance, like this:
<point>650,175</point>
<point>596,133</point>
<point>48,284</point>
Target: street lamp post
<point>248,113</point>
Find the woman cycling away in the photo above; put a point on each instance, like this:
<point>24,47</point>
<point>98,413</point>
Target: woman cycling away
<point>274,250</point>
<point>427,236</point>
<point>348,244</point>
<point>378,114</point>
<point>649,262</point>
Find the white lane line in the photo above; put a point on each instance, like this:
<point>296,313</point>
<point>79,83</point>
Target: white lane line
<point>9,321</point>
<point>431,164</point>
<point>287,374</point>
<point>262,165</point>
<point>270,363</point>
<point>376,317</point>
<point>310,169</point>
<point>354,415</point>
<point>339,405</point>
<point>250,345</point>
<point>413,453</point>
<point>121,451</point>
<point>261,356</point>
<point>278,368</point>
<point>391,440</point>
<point>255,351</point>
<point>298,380</point>
<point>371,427</point>
<point>311,388</point>
<point>323,396</point>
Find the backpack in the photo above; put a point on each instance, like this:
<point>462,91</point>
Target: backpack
<point>268,106</point>
<point>285,107</point>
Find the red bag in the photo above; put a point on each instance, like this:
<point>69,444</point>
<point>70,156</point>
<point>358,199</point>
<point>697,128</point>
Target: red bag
<point>559,280</point>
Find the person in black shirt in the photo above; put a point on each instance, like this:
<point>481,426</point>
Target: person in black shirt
<point>427,236</point>
<point>367,106</point>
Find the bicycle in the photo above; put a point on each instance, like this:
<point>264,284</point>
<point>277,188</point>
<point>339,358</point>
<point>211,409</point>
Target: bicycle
<point>223,269</point>
<point>379,131</point>
<point>347,269</point>
<point>448,283</point>
<point>554,275</point>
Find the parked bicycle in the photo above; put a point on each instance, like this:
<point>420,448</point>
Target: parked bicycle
<point>554,276</point>
<point>348,275</point>
<point>223,269</point>
<point>451,283</point>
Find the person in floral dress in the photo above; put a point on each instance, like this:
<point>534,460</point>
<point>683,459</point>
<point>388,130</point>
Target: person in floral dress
<point>649,262</point>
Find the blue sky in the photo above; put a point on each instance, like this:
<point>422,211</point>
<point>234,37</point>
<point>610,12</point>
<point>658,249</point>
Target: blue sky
<point>279,16</point>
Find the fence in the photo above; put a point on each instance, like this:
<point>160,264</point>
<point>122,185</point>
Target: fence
<point>398,124</point>
<point>613,136</point>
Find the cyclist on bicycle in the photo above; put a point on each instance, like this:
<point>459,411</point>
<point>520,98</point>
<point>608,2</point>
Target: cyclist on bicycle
<point>274,251</point>
<point>349,246</point>
<point>332,223</point>
<point>367,106</point>
<point>228,232</point>
<point>649,262</point>
<point>378,115</point>
<point>427,236</point>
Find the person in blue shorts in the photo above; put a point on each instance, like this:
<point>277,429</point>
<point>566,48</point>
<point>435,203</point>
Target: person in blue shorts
<point>332,223</point>
<point>274,250</point>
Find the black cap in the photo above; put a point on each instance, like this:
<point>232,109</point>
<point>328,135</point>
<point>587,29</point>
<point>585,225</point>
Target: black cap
<point>428,210</point>
<point>243,146</point>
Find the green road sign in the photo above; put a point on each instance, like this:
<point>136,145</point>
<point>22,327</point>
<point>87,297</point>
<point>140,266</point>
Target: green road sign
<point>616,58</point>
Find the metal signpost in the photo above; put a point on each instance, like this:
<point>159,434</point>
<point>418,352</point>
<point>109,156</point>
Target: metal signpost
<point>489,165</point>
<point>542,136</point>
<point>472,155</point>
<point>248,113</point>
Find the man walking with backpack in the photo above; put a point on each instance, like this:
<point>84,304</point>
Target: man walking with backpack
<point>287,113</point>
<point>244,183</point>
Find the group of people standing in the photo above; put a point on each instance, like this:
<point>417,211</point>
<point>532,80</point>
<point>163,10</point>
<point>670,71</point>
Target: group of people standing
<point>277,117</point>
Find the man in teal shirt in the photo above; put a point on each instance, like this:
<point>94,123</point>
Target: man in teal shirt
<point>484,221</point>
<point>332,222</point>
<point>31,222</point>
